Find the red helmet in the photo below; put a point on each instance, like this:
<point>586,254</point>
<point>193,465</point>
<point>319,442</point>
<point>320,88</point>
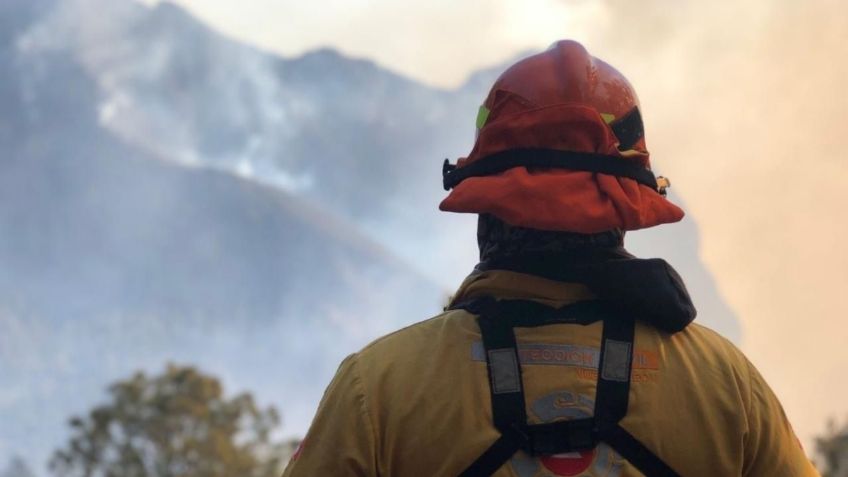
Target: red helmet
<point>561,146</point>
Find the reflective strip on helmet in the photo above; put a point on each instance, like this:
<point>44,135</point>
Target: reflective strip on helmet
<point>607,117</point>
<point>482,116</point>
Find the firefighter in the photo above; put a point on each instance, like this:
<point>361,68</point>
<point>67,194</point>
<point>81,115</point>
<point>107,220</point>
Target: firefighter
<point>561,354</point>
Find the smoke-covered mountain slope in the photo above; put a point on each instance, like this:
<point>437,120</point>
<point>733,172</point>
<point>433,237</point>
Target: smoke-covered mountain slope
<point>113,258</point>
<point>343,133</point>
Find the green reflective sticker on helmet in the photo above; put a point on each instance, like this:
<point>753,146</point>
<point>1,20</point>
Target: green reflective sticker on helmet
<point>482,116</point>
<point>607,117</point>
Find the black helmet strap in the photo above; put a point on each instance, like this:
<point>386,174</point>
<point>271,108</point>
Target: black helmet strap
<point>550,158</point>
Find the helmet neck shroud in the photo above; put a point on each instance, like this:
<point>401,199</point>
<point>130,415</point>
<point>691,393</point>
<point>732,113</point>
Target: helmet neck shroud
<point>648,288</point>
<point>498,240</point>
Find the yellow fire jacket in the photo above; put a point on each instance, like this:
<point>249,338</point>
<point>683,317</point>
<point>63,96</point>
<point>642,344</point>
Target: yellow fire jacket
<point>416,402</point>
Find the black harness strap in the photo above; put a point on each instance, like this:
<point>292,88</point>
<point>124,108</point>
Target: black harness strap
<point>614,367</point>
<point>497,320</point>
<point>636,453</point>
<point>495,456</point>
<point>548,158</point>
<point>507,388</point>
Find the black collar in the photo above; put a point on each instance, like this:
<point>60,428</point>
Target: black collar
<point>649,288</point>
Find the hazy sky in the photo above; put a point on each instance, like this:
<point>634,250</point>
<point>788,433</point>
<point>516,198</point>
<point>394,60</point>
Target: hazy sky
<point>745,110</point>
<point>436,41</point>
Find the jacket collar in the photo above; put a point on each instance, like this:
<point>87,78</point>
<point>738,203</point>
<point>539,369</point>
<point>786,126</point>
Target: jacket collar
<point>649,288</point>
<point>510,285</point>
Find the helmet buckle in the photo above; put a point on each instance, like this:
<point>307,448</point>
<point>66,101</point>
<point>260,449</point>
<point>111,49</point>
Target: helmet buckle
<point>663,184</point>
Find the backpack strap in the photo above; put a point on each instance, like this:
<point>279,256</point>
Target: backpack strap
<point>497,321</point>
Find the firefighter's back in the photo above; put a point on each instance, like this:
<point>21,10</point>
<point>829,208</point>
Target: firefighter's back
<point>423,400</point>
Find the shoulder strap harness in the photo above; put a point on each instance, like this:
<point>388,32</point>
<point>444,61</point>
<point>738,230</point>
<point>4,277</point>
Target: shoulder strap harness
<point>497,320</point>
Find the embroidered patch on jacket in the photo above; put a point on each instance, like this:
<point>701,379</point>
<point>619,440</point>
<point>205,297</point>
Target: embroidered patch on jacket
<point>601,461</point>
<point>568,355</point>
<point>584,359</point>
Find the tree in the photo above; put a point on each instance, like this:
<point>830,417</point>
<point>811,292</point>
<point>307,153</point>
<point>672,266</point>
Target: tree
<point>833,450</point>
<point>16,468</point>
<point>177,424</point>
